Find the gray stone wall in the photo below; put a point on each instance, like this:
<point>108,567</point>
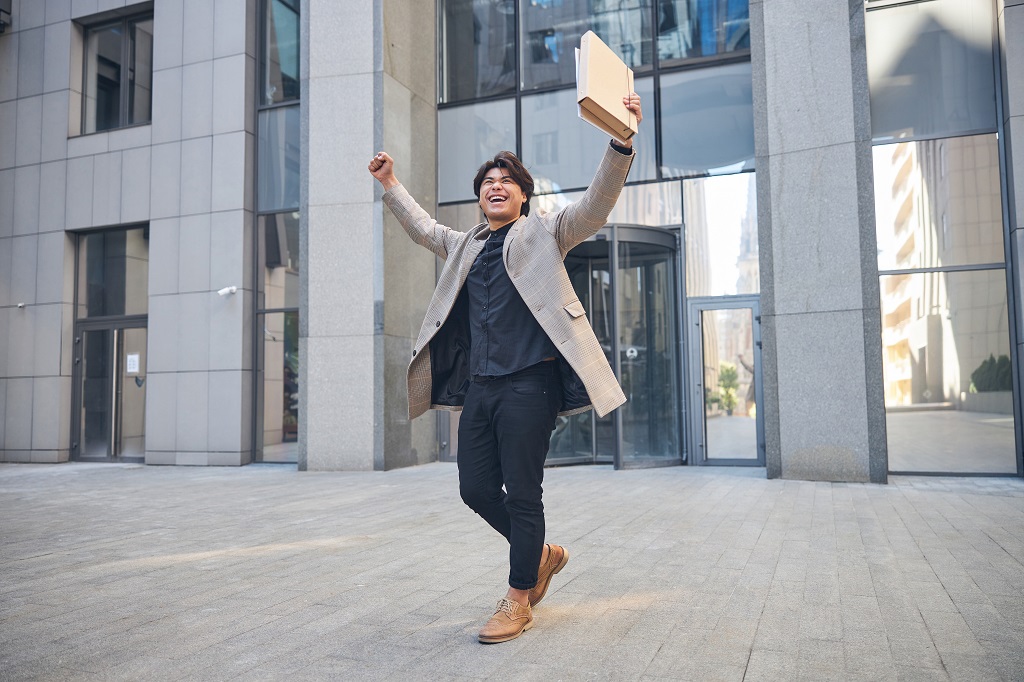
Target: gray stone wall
<point>824,411</point>
<point>368,84</point>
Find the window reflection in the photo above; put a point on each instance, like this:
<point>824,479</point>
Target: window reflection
<point>930,68</point>
<point>551,31</point>
<point>707,121</point>
<point>279,261</point>
<point>937,203</point>
<point>485,64</point>
<point>702,28</point>
<point>278,156</point>
<point>278,426</point>
<point>467,136</point>
<point>281,51</point>
<point>947,370</point>
<point>118,74</point>
<point>655,204</point>
<point>720,218</point>
<point>113,273</point>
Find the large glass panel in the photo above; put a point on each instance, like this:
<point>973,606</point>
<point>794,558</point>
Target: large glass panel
<point>278,155</point>
<point>931,68</point>
<point>702,28</point>
<point>720,225</point>
<point>280,51</point>
<point>278,420</point>
<point>937,203</point>
<point>730,410</point>
<point>563,152</point>
<point>103,79</point>
<point>947,371</point>
<point>647,354</point>
<point>140,75</point>
<point>478,48</point>
<point>131,392</point>
<point>113,273</point>
<point>551,31</point>
<point>96,421</point>
<point>653,204</point>
<point>467,136</point>
<point>707,121</point>
<point>278,236</point>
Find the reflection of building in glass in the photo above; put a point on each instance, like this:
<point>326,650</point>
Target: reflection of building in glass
<point>943,209</point>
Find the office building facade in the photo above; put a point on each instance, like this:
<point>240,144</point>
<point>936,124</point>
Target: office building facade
<point>813,267</point>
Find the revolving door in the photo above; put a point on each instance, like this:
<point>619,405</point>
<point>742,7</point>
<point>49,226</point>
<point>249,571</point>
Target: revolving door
<point>626,279</point>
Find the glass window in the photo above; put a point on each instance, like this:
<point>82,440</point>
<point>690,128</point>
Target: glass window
<point>948,374</point>
<point>113,273</point>
<point>468,136</point>
<point>478,48</point>
<point>118,74</point>
<point>280,50</point>
<point>653,204</point>
<point>937,203</point>
<point>720,224</point>
<point>930,68</point>
<point>278,156</point>
<point>278,419</point>
<point>707,121</point>
<point>702,28</point>
<point>278,236</point>
<point>563,151</point>
<point>551,31</point>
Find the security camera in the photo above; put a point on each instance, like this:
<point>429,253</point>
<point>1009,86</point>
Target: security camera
<point>228,290</point>
<point>21,305</point>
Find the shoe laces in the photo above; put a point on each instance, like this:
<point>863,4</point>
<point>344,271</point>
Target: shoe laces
<point>505,604</point>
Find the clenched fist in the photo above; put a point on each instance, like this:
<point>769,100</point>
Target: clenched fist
<point>382,167</point>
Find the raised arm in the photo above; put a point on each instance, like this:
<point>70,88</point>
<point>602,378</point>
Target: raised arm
<point>417,223</point>
<point>584,217</point>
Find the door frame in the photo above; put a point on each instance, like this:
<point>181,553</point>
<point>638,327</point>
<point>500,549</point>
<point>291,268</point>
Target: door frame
<point>112,323</point>
<point>695,377</point>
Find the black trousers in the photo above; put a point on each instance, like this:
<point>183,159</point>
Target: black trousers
<point>504,433</point>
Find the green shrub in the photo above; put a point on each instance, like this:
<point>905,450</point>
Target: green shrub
<point>992,375</point>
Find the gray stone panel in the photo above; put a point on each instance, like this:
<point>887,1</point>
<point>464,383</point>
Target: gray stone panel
<point>192,412</point>
<point>343,135</point>
<point>230,342</point>
<point>54,255</point>
<point>30,62</point>
<point>341,38</point>
<point>230,404</point>
<point>339,400</point>
<point>159,457</point>
<point>197,31</point>
<point>57,57</point>
<point>162,342</point>
<point>196,175</point>
<point>18,426</point>
<point>52,192</point>
<point>398,447</point>
<point>411,62</point>
<point>816,242</point>
<point>28,146</point>
<point>823,424</point>
<point>5,314</point>
<point>89,145</point>
<point>30,14</point>
<point>161,409</point>
<point>167,97</point>
<point>192,335</point>
<point>133,137</point>
<point>46,409</point>
<point>54,143</point>
<point>23,269</point>
<point>230,249</point>
<point>231,19</point>
<point>230,171</point>
<point>8,133</point>
<point>197,100</point>
<point>48,324</point>
<point>194,253</point>
<point>229,93</point>
<point>79,193</point>
<point>163,258</point>
<point>81,9</point>
<point>135,184</point>
<point>106,199</point>
<point>9,67</point>
<point>26,200</point>
<point>165,180</point>
<point>6,202</point>
<point>6,244</point>
<point>57,10</point>
<point>168,18</point>
<point>3,393</point>
<point>341,300</point>
<point>1013,60</point>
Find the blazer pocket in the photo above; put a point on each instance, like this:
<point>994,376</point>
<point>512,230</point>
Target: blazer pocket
<point>575,309</point>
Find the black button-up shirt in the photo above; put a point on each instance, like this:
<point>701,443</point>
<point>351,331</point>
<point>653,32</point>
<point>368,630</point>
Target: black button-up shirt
<point>505,336</point>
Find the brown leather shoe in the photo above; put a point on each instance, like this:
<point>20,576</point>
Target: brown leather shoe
<point>558,557</point>
<point>508,622</point>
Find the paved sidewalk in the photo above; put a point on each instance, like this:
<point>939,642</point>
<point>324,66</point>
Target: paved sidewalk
<point>135,573</point>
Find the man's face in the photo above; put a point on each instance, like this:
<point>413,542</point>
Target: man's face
<point>500,197</point>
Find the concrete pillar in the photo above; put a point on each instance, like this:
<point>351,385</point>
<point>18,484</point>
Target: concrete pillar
<point>368,84</point>
<point>824,406</point>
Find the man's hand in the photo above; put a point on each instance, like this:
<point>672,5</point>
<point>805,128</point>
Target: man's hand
<point>633,104</point>
<point>382,167</point>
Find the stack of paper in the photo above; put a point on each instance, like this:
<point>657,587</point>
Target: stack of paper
<point>602,80</point>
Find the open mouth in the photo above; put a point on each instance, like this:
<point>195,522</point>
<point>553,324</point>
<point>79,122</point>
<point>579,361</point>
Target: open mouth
<point>497,200</point>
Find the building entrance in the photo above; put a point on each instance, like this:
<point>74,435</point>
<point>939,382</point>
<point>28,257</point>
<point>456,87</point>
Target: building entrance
<point>626,278</point>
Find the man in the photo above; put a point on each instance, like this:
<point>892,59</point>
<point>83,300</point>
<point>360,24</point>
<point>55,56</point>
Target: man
<point>506,340</point>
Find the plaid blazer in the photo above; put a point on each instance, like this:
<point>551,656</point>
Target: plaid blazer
<point>534,251</point>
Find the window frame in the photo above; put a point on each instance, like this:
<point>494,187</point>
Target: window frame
<point>125,21</point>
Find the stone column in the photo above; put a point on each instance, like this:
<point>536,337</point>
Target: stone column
<point>368,84</point>
<point>824,405</point>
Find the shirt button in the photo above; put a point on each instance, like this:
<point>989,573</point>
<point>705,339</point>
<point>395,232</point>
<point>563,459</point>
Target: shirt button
<point>414,353</point>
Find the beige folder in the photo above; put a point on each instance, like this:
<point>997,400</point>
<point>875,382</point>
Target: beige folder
<point>602,80</point>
